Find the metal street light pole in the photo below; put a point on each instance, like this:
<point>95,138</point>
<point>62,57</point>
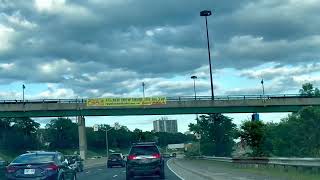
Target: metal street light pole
<point>207,13</point>
<point>194,86</point>
<point>143,85</point>
<point>107,145</point>
<point>116,127</point>
<point>195,92</point>
<point>262,83</point>
<point>23,87</point>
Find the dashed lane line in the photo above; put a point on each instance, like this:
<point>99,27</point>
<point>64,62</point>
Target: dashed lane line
<point>115,176</point>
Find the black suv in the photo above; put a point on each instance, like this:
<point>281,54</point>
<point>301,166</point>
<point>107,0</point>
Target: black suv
<point>144,159</point>
<point>40,166</point>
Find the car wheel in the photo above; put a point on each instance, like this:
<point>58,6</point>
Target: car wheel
<point>128,176</point>
<point>162,176</point>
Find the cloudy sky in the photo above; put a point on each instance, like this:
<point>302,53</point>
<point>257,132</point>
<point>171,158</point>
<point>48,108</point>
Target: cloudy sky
<point>107,48</point>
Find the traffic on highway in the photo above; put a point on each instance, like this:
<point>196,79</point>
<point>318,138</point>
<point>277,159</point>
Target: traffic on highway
<point>144,161</point>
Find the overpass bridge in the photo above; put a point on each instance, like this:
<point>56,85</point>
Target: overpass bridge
<point>173,105</point>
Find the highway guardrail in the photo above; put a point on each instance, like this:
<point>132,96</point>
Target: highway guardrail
<point>312,163</point>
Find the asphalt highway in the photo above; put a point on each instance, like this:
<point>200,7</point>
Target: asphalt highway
<point>104,173</point>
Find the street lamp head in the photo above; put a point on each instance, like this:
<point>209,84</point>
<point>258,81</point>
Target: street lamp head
<point>194,77</point>
<point>205,13</point>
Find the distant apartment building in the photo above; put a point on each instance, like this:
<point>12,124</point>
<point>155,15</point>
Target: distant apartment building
<point>165,125</point>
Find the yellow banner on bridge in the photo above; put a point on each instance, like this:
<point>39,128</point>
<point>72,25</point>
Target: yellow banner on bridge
<point>127,101</point>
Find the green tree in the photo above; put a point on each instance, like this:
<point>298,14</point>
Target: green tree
<point>118,139</point>
<point>308,90</point>
<point>62,133</point>
<point>26,125</point>
<point>217,134</point>
<point>18,134</point>
<point>137,135</point>
<point>96,140</point>
<point>298,135</point>
<point>254,134</point>
<point>5,128</point>
<point>165,138</point>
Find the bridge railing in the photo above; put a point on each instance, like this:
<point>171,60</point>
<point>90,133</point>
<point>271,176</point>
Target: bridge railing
<point>170,99</point>
<point>43,101</point>
<point>236,97</point>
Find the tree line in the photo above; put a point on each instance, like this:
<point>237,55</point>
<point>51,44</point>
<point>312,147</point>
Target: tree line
<point>297,135</point>
<point>22,134</point>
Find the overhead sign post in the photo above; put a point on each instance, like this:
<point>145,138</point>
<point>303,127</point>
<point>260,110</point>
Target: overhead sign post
<point>117,126</point>
<point>127,101</point>
<point>95,128</point>
<point>198,136</point>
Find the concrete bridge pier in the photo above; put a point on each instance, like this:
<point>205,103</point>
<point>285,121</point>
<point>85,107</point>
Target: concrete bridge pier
<point>82,137</point>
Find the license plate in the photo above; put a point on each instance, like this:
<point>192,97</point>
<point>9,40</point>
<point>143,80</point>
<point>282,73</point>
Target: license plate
<point>114,160</point>
<point>144,160</point>
<point>29,171</point>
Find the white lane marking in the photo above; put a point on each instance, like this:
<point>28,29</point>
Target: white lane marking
<point>173,170</point>
<point>115,176</point>
<point>87,172</point>
<point>99,169</point>
<point>123,171</point>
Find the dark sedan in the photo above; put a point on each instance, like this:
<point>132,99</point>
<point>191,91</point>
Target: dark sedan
<point>116,159</point>
<point>3,165</point>
<point>40,166</point>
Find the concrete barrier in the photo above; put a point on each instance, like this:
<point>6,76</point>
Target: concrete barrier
<point>312,164</point>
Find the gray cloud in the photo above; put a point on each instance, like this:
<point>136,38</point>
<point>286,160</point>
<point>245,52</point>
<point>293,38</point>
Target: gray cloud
<point>102,47</point>
<point>276,71</point>
<point>278,85</point>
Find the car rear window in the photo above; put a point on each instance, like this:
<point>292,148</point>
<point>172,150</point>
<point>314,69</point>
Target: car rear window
<point>144,150</point>
<point>115,156</point>
<point>34,158</point>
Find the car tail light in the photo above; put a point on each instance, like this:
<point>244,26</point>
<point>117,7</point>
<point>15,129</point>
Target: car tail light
<point>132,157</point>
<point>11,169</point>
<point>156,156</point>
<point>52,167</point>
